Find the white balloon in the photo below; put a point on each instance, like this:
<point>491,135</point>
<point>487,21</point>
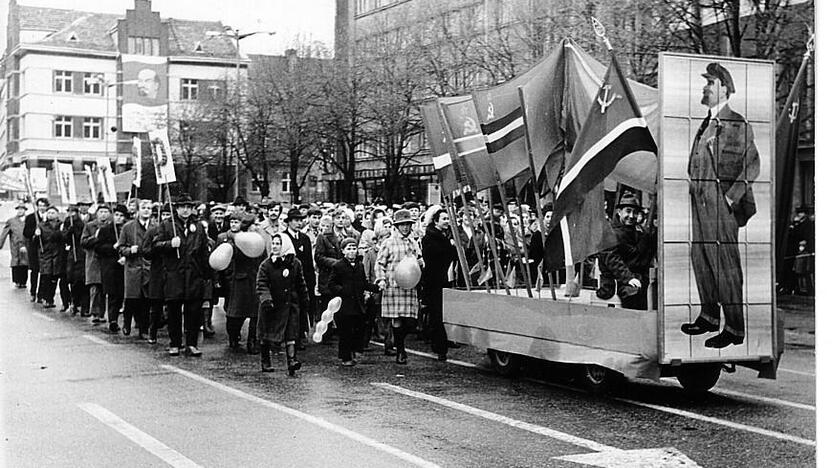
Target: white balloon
<point>408,273</point>
<point>221,256</point>
<point>250,243</point>
<point>326,317</point>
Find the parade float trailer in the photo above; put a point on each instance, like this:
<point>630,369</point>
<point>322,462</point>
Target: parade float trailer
<point>608,342</point>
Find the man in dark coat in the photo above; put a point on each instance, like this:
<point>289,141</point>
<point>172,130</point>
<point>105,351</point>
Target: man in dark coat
<point>349,282</point>
<point>723,163</point>
<point>19,257</point>
<point>629,262</point>
<point>136,270</point>
<point>183,244</point>
<point>29,227</point>
<point>112,266</point>
<point>50,255</point>
<point>303,252</point>
<point>439,253</point>
<point>327,252</point>
<point>92,267</point>
<point>156,288</point>
<point>73,227</point>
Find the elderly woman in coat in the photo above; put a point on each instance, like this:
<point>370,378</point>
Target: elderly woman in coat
<point>51,261</point>
<point>399,304</point>
<point>282,293</point>
<point>13,230</point>
<point>241,276</point>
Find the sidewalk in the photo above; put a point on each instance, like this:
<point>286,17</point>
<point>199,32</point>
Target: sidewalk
<point>798,314</point>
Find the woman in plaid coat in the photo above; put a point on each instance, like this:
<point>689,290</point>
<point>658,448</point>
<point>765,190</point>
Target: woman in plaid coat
<point>399,304</point>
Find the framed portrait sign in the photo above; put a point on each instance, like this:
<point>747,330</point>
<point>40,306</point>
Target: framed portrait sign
<point>716,252</point>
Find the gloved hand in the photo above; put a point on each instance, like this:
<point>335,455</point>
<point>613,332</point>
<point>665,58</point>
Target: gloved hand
<point>635,282</point>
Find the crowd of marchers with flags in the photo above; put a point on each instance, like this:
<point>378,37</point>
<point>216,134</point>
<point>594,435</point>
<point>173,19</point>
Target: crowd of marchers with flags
<point>319,272</point>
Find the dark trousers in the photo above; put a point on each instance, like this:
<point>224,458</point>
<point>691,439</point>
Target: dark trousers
<point>187,313</point>
<point>80,296</point>
<point>234,326</point>
<point>156,320</point>
<point>66,294</point>
<point>33,282</point>
<point>436,326</point>
<point>96,300</point>
<point>350,334</point>
<point>114,303</point>
<point>138,309</point>
<point>19,274</point>
<point>46,288</point>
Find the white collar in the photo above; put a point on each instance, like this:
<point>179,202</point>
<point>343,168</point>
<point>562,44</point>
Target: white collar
<point>715,110</point>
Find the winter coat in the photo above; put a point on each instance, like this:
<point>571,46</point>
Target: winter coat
<point>13,230</point>
<point>438,253</point>
<point>112,272</point>
<point>50,256</point>
<point>92,265</point>
<point>186,268</point>
<point>630,258</point>
<point>282,293</point>
<point>137,272</point>
<point>156,287</point>
<point>396,301</point>
<point>327,252</point>
<point>241,277</point>
<point>75,256</point>
<point>303,252</point>
<point>33,243</point>
<point>349,283</point>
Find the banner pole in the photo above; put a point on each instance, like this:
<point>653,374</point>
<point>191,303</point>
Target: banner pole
<point>172,216</point>
<point>463,261</point>
<point>523,254</point>
<point>492,243</point>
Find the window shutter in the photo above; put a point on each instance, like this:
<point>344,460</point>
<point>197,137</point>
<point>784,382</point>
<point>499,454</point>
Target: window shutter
<point>77,83</point>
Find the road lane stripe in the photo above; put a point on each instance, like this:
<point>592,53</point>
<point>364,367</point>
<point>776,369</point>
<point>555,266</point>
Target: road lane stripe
<point>310,419</point>
<point>95,340</point>
<point>791,371</point>
<point>142,439</point>
<point>431,356</point>
<point>774,401</point>
<point>43,317</point>
<point>544,431</point>
<point>722,422</point>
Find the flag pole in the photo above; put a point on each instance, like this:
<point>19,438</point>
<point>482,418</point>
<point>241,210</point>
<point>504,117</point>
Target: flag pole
<point>32,200</point>
<point>172,214</point>
<point>491,236</point>
<point>463,261</point>
<point>523,254</point>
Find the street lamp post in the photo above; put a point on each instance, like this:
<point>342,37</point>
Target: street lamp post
<point>235,33</point>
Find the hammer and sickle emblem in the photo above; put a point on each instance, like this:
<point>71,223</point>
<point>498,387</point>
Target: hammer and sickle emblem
<point>607,100</point>
<point>794,111</point>
<point>469,126</point>
<point>490,111</point>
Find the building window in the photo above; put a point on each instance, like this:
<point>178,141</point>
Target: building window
<point>143,45</point>
<point>92,83</point>
<point>286,183</point>
<point>92,128</point>
<point>189,89</point>
<point>63,82</point>
<point>63,126</point>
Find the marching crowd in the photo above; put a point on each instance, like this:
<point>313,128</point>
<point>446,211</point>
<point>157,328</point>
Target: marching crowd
<point>280,267</point>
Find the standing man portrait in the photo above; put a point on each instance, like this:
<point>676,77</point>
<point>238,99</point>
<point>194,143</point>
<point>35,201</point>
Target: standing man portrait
<point>723,163</point>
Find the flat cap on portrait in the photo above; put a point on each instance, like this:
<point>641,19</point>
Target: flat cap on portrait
<point>715,70</point>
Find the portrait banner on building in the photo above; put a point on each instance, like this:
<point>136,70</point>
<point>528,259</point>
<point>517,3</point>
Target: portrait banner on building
<point>38,180</point>
<point>716,205</point>
<point>162,156</point>
<point>65,180</point>
<point>106,179</point>
<point>145,95</point>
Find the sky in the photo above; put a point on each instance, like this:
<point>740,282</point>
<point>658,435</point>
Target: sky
<point>310,20</point>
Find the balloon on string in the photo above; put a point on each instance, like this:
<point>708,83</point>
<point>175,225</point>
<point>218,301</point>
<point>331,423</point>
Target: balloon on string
<point>250,243</point>
<point>221,256</point>
<point>407,273</point>
<point>326,317</point>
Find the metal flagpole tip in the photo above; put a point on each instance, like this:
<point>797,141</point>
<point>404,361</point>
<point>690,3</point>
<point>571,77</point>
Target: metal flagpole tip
<point>601,31</point>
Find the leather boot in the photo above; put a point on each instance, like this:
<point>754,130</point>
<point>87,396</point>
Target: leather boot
<point>207,326</point>
<point>266,357</point>
<point>292,362</point>
<point>398,338</point>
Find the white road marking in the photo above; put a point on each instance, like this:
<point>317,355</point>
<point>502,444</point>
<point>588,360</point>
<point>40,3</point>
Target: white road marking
<point>431,356</point>
<point>310,419</point>
<point>143,440</point>
<point>722,422</point>
<point>43,317</point>
<point>791,371</point>
<point>774,401</point>
<point>544,431</point>
<point>96,340</point>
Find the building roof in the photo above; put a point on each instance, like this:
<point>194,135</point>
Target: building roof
<point>93,31</point>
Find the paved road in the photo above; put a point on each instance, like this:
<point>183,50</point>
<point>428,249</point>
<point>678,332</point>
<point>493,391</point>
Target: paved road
<point>74,395</point>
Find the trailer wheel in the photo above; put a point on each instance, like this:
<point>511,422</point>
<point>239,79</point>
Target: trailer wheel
<point>504,363</point>
<point>699,378</point>
<point>599,380</point>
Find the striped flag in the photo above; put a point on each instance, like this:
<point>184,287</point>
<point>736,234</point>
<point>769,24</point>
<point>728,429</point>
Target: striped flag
<point>442,163</point>
<point>613,129</point>
<point>469,144</point>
